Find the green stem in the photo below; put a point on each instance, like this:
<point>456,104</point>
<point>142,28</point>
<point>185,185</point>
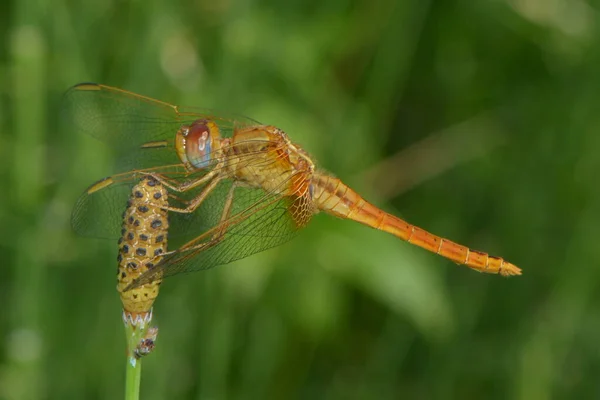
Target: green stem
<point>133,369</point>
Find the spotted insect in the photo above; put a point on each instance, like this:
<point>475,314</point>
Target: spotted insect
<point>141,246</point>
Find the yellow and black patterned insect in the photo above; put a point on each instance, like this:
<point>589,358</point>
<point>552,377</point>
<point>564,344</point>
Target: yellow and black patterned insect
<point>143,242</point>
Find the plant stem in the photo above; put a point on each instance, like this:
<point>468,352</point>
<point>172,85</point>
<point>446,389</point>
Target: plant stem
<point>133,368</point>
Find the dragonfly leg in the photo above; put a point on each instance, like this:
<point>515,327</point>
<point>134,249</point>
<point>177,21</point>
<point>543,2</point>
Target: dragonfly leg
<point>221,228</point>
<point>158,171</point>
<point>196,201</point>
<point>185,186</point>
<point>218,232</point>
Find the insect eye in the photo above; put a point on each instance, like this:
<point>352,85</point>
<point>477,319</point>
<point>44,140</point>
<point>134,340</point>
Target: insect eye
<point>198,144</point>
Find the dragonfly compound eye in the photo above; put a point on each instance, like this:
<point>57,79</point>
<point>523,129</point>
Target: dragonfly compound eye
<point>198,144</point>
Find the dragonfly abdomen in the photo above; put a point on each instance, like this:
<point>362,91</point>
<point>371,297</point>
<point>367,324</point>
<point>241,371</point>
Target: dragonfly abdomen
<point>143,241</point>
<point>334,197</point>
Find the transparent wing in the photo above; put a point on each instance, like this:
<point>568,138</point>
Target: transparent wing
<point>127,122</point>
<point>100,214</point>
<point>258,221</point>
<point>98,211</point>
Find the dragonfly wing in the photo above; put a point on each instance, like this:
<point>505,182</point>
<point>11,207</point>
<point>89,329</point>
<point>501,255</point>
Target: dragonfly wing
<point>118,117</point>
<point>258,222</point>
<point>126,122</point>
<point>98,211</point>
<point>139,129</point>
<point>100,214</point>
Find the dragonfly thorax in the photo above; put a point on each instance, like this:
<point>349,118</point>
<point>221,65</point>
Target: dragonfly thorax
<point>262,156</point>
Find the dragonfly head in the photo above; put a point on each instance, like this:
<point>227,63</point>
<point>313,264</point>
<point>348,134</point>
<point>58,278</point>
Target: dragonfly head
<point>194,143</point>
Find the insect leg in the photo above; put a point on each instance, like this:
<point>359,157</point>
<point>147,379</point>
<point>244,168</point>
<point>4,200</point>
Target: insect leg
<point>185,186</point>
<point>196,201</point>
<point>220,229</point>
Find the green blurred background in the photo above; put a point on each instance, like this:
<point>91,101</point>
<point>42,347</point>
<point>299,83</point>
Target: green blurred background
<point>477,120</point>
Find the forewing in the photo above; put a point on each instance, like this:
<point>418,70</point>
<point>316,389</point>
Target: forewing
<point>139,129</point>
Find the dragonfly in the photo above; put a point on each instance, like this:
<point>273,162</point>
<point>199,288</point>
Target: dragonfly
<point>235,186</point>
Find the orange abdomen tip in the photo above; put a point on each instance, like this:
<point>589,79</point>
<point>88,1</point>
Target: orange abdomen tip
<point>509,269</point>
<point>143,241</point>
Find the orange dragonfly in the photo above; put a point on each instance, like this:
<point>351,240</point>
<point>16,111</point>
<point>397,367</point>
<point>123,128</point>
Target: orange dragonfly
<point>236,186</point>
